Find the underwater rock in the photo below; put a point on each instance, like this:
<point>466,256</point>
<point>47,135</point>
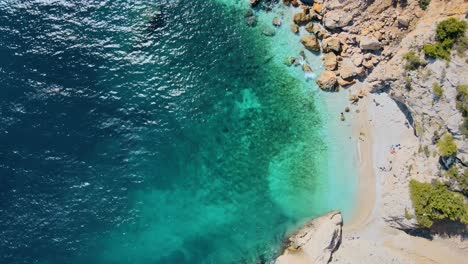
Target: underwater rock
<point>270,32</point>
<point>156,21</point>
<point>306,67</point>
<point>276,22</point>
<point>254,2</point>
<point>250,18</point>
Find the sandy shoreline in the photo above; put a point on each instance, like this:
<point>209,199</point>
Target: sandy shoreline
<point>367,237</point>
<point>366,187</point>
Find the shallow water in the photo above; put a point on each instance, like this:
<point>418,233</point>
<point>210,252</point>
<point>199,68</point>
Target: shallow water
<point>164,132</point>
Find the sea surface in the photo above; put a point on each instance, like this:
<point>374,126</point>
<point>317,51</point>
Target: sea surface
<point>160,132</point>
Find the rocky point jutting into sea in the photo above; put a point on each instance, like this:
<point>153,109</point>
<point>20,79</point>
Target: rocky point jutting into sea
<point>410,89</point>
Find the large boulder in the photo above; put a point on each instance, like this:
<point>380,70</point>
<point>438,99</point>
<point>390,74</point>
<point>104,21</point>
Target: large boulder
<point>300,18</point>
<point>294,28</point>
<point>336,19</point>
<point>311,43</point>
<point>348,70</point>
<point>317,29</point>
<point>329,61</point>
<point>315,242</point>
<point>331,44</point>
<point>369,43</point>
<point>327,80</point>
<point>304,16</point>
<point>357,59</point>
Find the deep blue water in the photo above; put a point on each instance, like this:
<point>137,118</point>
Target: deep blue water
<point>148,132</point>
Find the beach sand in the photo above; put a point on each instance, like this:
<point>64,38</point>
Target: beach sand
<point>383,191</point>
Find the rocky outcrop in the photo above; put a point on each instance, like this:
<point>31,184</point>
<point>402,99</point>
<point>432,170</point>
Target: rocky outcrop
<point>276,22</point>
<point>311,43</point>
<point>315,242</point>
<point>331,44</point>
<point>348,70</point>
<point>304,16</point>
<point>294,28</point>
<point>329,61</point>
<point>327,81</point>
<point>369,43</point>
<point>337,19</point>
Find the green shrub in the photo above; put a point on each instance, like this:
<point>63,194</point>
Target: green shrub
<point>437,89</point>
<point>447,33</point>
<point>436,51</point>
<point>408,81</point>
<point>412,61</point>
<point>464,127</point>
<point>462,106</point>
<point>453,172</point>
<point>437,202</point>
<point>407,214</point>
<point>462,46</point>
<point>424,4</point>
<point>427,152</point>
<point>450,30</point>
<point>463,181</point>
<point>446,145</point>
<point>462,99</point>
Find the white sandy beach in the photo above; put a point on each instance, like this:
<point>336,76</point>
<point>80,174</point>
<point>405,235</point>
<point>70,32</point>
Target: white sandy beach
<point>367,238</point>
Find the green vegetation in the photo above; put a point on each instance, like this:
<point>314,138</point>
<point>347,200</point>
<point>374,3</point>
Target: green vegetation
<point>437,89</point>
<point>433,202</point>
<point>462,99</point>
<point>412,61</point>
<point>436,51</point>
<point>424,4</point>
<point>463,181</point>
<point>462,106</point>
<point>407,214</point>
<point>462,46</point>
<point>453,172</point>
<point>419,129</point>
<point>408,81</point>
<point>446,145</point>
<point>447,33</point>
<point>427,152</point>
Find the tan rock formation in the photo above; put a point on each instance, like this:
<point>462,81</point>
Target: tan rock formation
<point>329,61</point>
<point>315,241</point>
<point>311,43</point>
<point>327,80</point>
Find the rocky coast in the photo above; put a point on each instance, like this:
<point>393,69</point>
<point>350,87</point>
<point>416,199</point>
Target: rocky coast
<point>402,102</point>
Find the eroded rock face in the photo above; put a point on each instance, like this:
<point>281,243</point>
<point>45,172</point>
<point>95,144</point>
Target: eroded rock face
<point>331,44</point>
<point>327,80</point>
<point>348,70</point>
<point>311,43</point>
<point>303,17</point>
<point>329,61</point>
<point>315,242</point>
<point>369,43</point>
<point>337,19</point>
<point>294,28</point>
<point>317,29</point>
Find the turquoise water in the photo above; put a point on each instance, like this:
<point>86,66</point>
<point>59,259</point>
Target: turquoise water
<point>158,132</point>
